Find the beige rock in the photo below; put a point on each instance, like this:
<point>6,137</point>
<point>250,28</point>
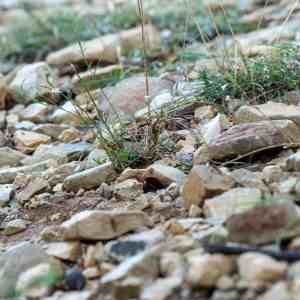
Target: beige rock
<point>268,111</point>
<point>102,225</point>
<point>94,255</point>
<point>104,49</point>
<point>201,155</point>
<point>28,141</point>
<point>235,201</point>
<point>204,182</point>
<point>256,267</point>
<point>272,173</point>
<point>70,135</point>
<point>32,82</point>
<point>69,251</point>
<point>206,269</point>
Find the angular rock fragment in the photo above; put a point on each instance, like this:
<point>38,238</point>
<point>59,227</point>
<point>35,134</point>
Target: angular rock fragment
<point>32,82</point>
<point>34,186</point>
<point>28,141</point>
<point>206,269</point>
<point>245,138</point>
<point>164,175</point>
<point>235,201</point>
<point>260,268</point>
<point>268,111</point>
<point>102,225</point>
<point>69,251</point>
<point>8,175</point>
<point>264,224</point>
<point>90,178</point>
<point>10,157</point>
<point>204,182</point>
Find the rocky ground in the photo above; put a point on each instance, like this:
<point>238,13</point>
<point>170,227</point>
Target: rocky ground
<point>189,193</point>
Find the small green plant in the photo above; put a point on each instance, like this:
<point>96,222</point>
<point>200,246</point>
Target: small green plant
<point>183,18</point>
<point>254,80</point>
<point>36,35</point>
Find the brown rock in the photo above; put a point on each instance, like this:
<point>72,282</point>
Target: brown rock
<point>245,138</point>
<point>264,224</point>
<point>3,92</point>
<point>204,182</point>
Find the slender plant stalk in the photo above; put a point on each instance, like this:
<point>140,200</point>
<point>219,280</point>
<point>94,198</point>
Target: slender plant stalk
<point>146,72</point>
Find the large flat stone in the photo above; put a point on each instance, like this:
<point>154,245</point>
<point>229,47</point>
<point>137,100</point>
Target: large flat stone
<point>268,111</point>
<point>102,225</point>
<point>245,138</point>
<point>264,224</point>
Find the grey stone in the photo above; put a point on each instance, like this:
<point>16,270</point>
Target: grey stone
<point>32,82</point>
<point>8,175</point>
<point>90,178</point>
<point>62,153</point>
<point>6,194</point>
<point>10,157</point>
